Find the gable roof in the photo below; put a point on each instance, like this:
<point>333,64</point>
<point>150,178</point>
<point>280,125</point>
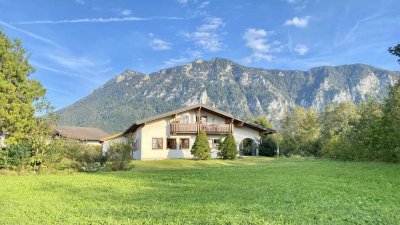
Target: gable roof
<point>111,137</point>
<point>207,108</point>
<point>81,133</point>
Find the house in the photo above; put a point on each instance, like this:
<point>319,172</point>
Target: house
<point>87,135</point>
<point>171,135</point>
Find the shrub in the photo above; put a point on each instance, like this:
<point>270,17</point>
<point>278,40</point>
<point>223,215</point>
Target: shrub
<point>267,146</point>
<point>69,153</point>
<point>201,148</point>
<point>228,148</point>
<point>118,156</point>
<point>17,156</point>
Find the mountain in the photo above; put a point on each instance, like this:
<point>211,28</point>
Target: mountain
<point>226,85</point>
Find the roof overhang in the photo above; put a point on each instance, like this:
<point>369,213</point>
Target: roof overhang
<point>206,108</point>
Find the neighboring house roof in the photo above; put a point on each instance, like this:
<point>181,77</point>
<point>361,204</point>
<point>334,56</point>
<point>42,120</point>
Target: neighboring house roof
<point>81,133</point>
<point>111,137</point>
<point>207,108</point>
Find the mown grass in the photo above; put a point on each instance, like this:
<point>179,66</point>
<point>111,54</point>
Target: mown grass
<point>245,191</point>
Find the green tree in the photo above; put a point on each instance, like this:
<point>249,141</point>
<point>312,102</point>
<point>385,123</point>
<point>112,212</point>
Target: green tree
<point>228,148</point>
<point>395,51</point>
<point>201,148</point>
<point>42,131</point>
<point>365,137</point>
<point>268,145</point>
<point>337,123</point>
<point>18,93</point>
<point>390,125</point>
<point>300,132</point>
<point>263,121</point>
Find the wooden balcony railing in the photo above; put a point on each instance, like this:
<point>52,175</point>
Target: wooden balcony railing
<point>216,128</point>
<point>190,128</point>
<point>184,128</point>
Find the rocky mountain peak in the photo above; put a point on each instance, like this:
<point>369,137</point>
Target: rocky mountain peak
<point>226,85</point>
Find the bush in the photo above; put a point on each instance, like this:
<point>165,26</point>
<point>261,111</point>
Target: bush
<point>201,148</point>
<point>267,146</point>
<point>17,156</point>
<point>118,156</point>
<point>73,154</point>
<point>228,148</point>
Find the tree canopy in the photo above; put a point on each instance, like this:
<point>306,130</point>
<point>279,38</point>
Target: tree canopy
<point>17,93</point>
<point>395,51</point>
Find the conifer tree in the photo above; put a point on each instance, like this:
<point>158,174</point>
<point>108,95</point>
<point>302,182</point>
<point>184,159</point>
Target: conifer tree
<point>228,148</point>
<point>201,148</point>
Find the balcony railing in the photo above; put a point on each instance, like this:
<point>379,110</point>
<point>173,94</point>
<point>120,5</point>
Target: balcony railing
<point>190,128</point>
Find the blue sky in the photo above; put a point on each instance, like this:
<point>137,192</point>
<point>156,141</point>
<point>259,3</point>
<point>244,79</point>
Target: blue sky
<point>78,45</point>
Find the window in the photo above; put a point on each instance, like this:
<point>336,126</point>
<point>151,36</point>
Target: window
<point>135,145</point>
<point>213,143</point>
<point>184,118</point>
<point>157,143</point>
<point>184,144</point>
<point>171,143</point>
<point>203,119</point>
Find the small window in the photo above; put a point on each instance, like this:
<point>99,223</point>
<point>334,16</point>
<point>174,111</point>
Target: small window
<point>203,119</point>
<point>213,143</point>
<point>184,144</point>
<point>171,143</point>
<point>184,118</point>
<point>157,143</point>
<point>134,145</point>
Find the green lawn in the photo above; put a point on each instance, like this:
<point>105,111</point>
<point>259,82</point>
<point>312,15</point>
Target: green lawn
<point>246,191</point>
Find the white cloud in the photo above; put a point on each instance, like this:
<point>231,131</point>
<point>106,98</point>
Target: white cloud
<point>301,49</point>
<point>183,2</point>
<point>101,20</point>
<point>208,35</point>
<point>204,4</point>
<point>256,40</point>
<point>159,45</point>
<point>80,2</point>
<point>126,12</point>
<point>175,61</point>
<point>298,22</point>
<point>32,35</point>
<point>189,55</point>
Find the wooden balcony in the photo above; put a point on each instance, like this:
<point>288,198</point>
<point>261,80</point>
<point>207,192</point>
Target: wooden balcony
<point>190,128</point>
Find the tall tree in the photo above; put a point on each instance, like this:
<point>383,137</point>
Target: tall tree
<point>391,124</point>
<point>301,132</point>
<point>365,137</point>
<point>337,123</point>
<point>17,92</point>
<point>263,121</point>
<point>395,51</point>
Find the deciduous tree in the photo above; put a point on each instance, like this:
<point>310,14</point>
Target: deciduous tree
<point>17,92</point>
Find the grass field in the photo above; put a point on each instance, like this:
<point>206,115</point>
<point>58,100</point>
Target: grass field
<point>246,191</point>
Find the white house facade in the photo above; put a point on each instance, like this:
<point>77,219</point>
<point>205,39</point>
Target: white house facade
<point>171,135</point>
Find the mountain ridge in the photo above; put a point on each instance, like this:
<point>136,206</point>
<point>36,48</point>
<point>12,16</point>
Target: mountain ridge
<point>224,84</point>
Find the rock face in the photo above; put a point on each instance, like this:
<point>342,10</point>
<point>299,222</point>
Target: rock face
<point>226,85</point>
